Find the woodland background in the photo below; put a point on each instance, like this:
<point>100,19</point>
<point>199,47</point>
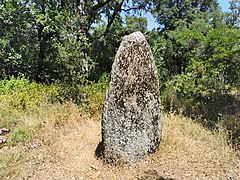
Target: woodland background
<point>56,51</point>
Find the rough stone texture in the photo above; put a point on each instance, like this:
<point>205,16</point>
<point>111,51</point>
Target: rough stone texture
<point>131,124</point>
<point>4,131</point>
<point>3,138</point>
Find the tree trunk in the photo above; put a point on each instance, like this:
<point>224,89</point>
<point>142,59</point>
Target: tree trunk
<point>111,20</point>
<point>42,43</point>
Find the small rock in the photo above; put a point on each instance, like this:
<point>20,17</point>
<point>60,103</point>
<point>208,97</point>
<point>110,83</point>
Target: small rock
<point>232,176</point>
<point>33,145</point>
<point>93,167</point>
<point>4,131</point>
<point>3,139</point>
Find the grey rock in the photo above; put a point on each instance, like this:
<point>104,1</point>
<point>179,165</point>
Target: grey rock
<point>232,176</point>
<point>4,131</point>
<point>33,145</point>
<point>131,123</point>
<point>3,139</point>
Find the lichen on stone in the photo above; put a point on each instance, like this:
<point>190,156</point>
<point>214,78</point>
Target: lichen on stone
<point>131,124</point>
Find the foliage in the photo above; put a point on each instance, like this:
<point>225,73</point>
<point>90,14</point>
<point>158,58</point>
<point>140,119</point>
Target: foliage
<point>135,23</point>
<point>233,16</point>
<point>25,107</point>
<point>198,64</point>
<point>223,52</point>
<point>17,39</point>
<point>19,96</point>
<point>171,14</point>
<point>43,41</point>
<point>73,44</point>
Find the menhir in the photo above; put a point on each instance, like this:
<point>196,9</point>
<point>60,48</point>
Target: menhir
<point>131,123</point>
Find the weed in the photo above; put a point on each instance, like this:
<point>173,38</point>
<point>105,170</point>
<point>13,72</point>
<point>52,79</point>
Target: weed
<point>20,135</point>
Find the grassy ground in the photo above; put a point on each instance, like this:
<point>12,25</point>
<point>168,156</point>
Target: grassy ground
<point>53,140</point>
<point>64,146</point>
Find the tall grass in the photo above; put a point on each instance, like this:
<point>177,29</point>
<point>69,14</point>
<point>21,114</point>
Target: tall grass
<point>27,106</point>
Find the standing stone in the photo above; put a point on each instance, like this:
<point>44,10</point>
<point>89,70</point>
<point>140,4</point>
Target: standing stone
<point>131,124</point>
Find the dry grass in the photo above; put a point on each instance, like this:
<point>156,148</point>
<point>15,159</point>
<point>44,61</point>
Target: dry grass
<point>66,150</point>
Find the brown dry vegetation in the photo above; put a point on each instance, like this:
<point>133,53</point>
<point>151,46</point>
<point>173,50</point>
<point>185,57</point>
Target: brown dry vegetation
<point>64,148</point>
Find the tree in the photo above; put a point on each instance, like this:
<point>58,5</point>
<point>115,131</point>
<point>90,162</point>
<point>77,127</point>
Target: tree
<point>18,44</point>
<point>43,40</point>
<point>56,40</point>
<point>135,23</point>
<point>222,53</point>
<point>56,22</point>
<point>105,36</point>
<point>233,17</point>
<point>170,14</point>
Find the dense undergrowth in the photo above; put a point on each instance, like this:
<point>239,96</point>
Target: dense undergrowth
<point>26,106</point>
<point>214,107</point>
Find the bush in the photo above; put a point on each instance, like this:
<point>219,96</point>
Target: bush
<point>19,96</point>
<point>23,94</point>
<point>180,95</point>
<point>210,102</point>
<point>88,95</point>
<point>94,97</point>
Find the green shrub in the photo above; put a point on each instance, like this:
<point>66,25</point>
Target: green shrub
<point>94,96</point>
<point>88,95</point>
<point>19,96</point>
<point>206,100</point>
<point>180,95</point>
<point>20,93</point>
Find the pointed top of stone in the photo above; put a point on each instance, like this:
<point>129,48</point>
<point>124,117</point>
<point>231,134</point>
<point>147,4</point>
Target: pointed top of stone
<point>135,37</point>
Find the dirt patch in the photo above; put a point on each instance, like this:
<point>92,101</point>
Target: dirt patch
<point>187,152</point>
